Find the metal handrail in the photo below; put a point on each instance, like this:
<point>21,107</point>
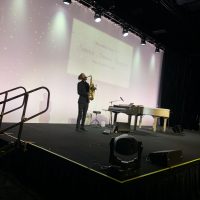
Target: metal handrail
<point>23,118</point>
<point>47,105</point>
<point>5,100</point>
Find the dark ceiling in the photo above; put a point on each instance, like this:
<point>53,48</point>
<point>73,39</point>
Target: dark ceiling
<point>172,23</point>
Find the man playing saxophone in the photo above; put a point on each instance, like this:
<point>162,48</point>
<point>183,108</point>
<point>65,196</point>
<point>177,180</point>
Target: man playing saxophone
<point>83,89</point>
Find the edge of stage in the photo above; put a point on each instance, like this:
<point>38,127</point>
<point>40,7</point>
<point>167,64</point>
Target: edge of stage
<point>56,160</point>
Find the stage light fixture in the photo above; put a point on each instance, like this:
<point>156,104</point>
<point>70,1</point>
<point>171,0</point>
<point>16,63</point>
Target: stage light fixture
<point>67,2</point>
<point>125,152</point>
<point>97,16</point>
<point>125,32</point>
<point>157,50</point>
<point>143,41</point>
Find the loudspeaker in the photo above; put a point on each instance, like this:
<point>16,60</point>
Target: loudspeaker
<point>166,158</point>
<point>177,129</point>
<point>121,127</point>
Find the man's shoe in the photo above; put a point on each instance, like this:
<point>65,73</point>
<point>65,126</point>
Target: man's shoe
<point>78,129</point>
<point>83,129</point>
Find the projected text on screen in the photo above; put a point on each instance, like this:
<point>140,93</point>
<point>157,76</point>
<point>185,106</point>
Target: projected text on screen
<point>95,52</point>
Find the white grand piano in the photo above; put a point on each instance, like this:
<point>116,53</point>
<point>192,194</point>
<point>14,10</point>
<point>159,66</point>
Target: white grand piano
<point>155,113</point>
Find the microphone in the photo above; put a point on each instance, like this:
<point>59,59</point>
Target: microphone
<point>121,99</point>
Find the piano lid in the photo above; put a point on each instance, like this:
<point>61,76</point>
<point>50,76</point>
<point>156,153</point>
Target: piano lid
<point>124,105</point>
<point>129,110</point>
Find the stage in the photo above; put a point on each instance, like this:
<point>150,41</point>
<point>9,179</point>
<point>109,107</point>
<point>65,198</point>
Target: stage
<point>58,157</point>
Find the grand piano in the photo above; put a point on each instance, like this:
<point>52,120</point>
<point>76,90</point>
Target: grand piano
<point>129,109</point>
<point>156,113</point>
<point>139,111</point>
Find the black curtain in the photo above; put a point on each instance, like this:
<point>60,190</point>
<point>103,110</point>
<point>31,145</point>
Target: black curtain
<point>179,90</point>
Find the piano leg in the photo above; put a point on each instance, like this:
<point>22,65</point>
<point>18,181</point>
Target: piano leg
<point>165,124</point>
<point>155,123</point>
<point>140,121</point>
<point>115,118</point>
<point>114,123</point>
<point>129,121</point>
<point>135,122</point>
<point>110,120</point>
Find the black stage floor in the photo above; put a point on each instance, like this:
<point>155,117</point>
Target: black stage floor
<point>91,148</point>
<point>56,158</point>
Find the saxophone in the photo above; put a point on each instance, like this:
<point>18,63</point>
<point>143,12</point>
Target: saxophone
<point>91,89</point>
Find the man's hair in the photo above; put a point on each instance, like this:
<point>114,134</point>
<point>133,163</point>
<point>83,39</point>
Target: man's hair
<point>80,77</point>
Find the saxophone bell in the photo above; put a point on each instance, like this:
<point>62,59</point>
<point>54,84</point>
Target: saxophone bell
<point>91,89</point>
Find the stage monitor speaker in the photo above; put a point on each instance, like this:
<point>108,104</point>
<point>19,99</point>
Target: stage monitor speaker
<point>166,158</point>
<point>177,129</point>
<point>121,127</point>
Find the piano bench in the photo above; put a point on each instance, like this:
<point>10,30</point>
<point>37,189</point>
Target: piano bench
<point>96,121</point>
<point>97,112</point>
